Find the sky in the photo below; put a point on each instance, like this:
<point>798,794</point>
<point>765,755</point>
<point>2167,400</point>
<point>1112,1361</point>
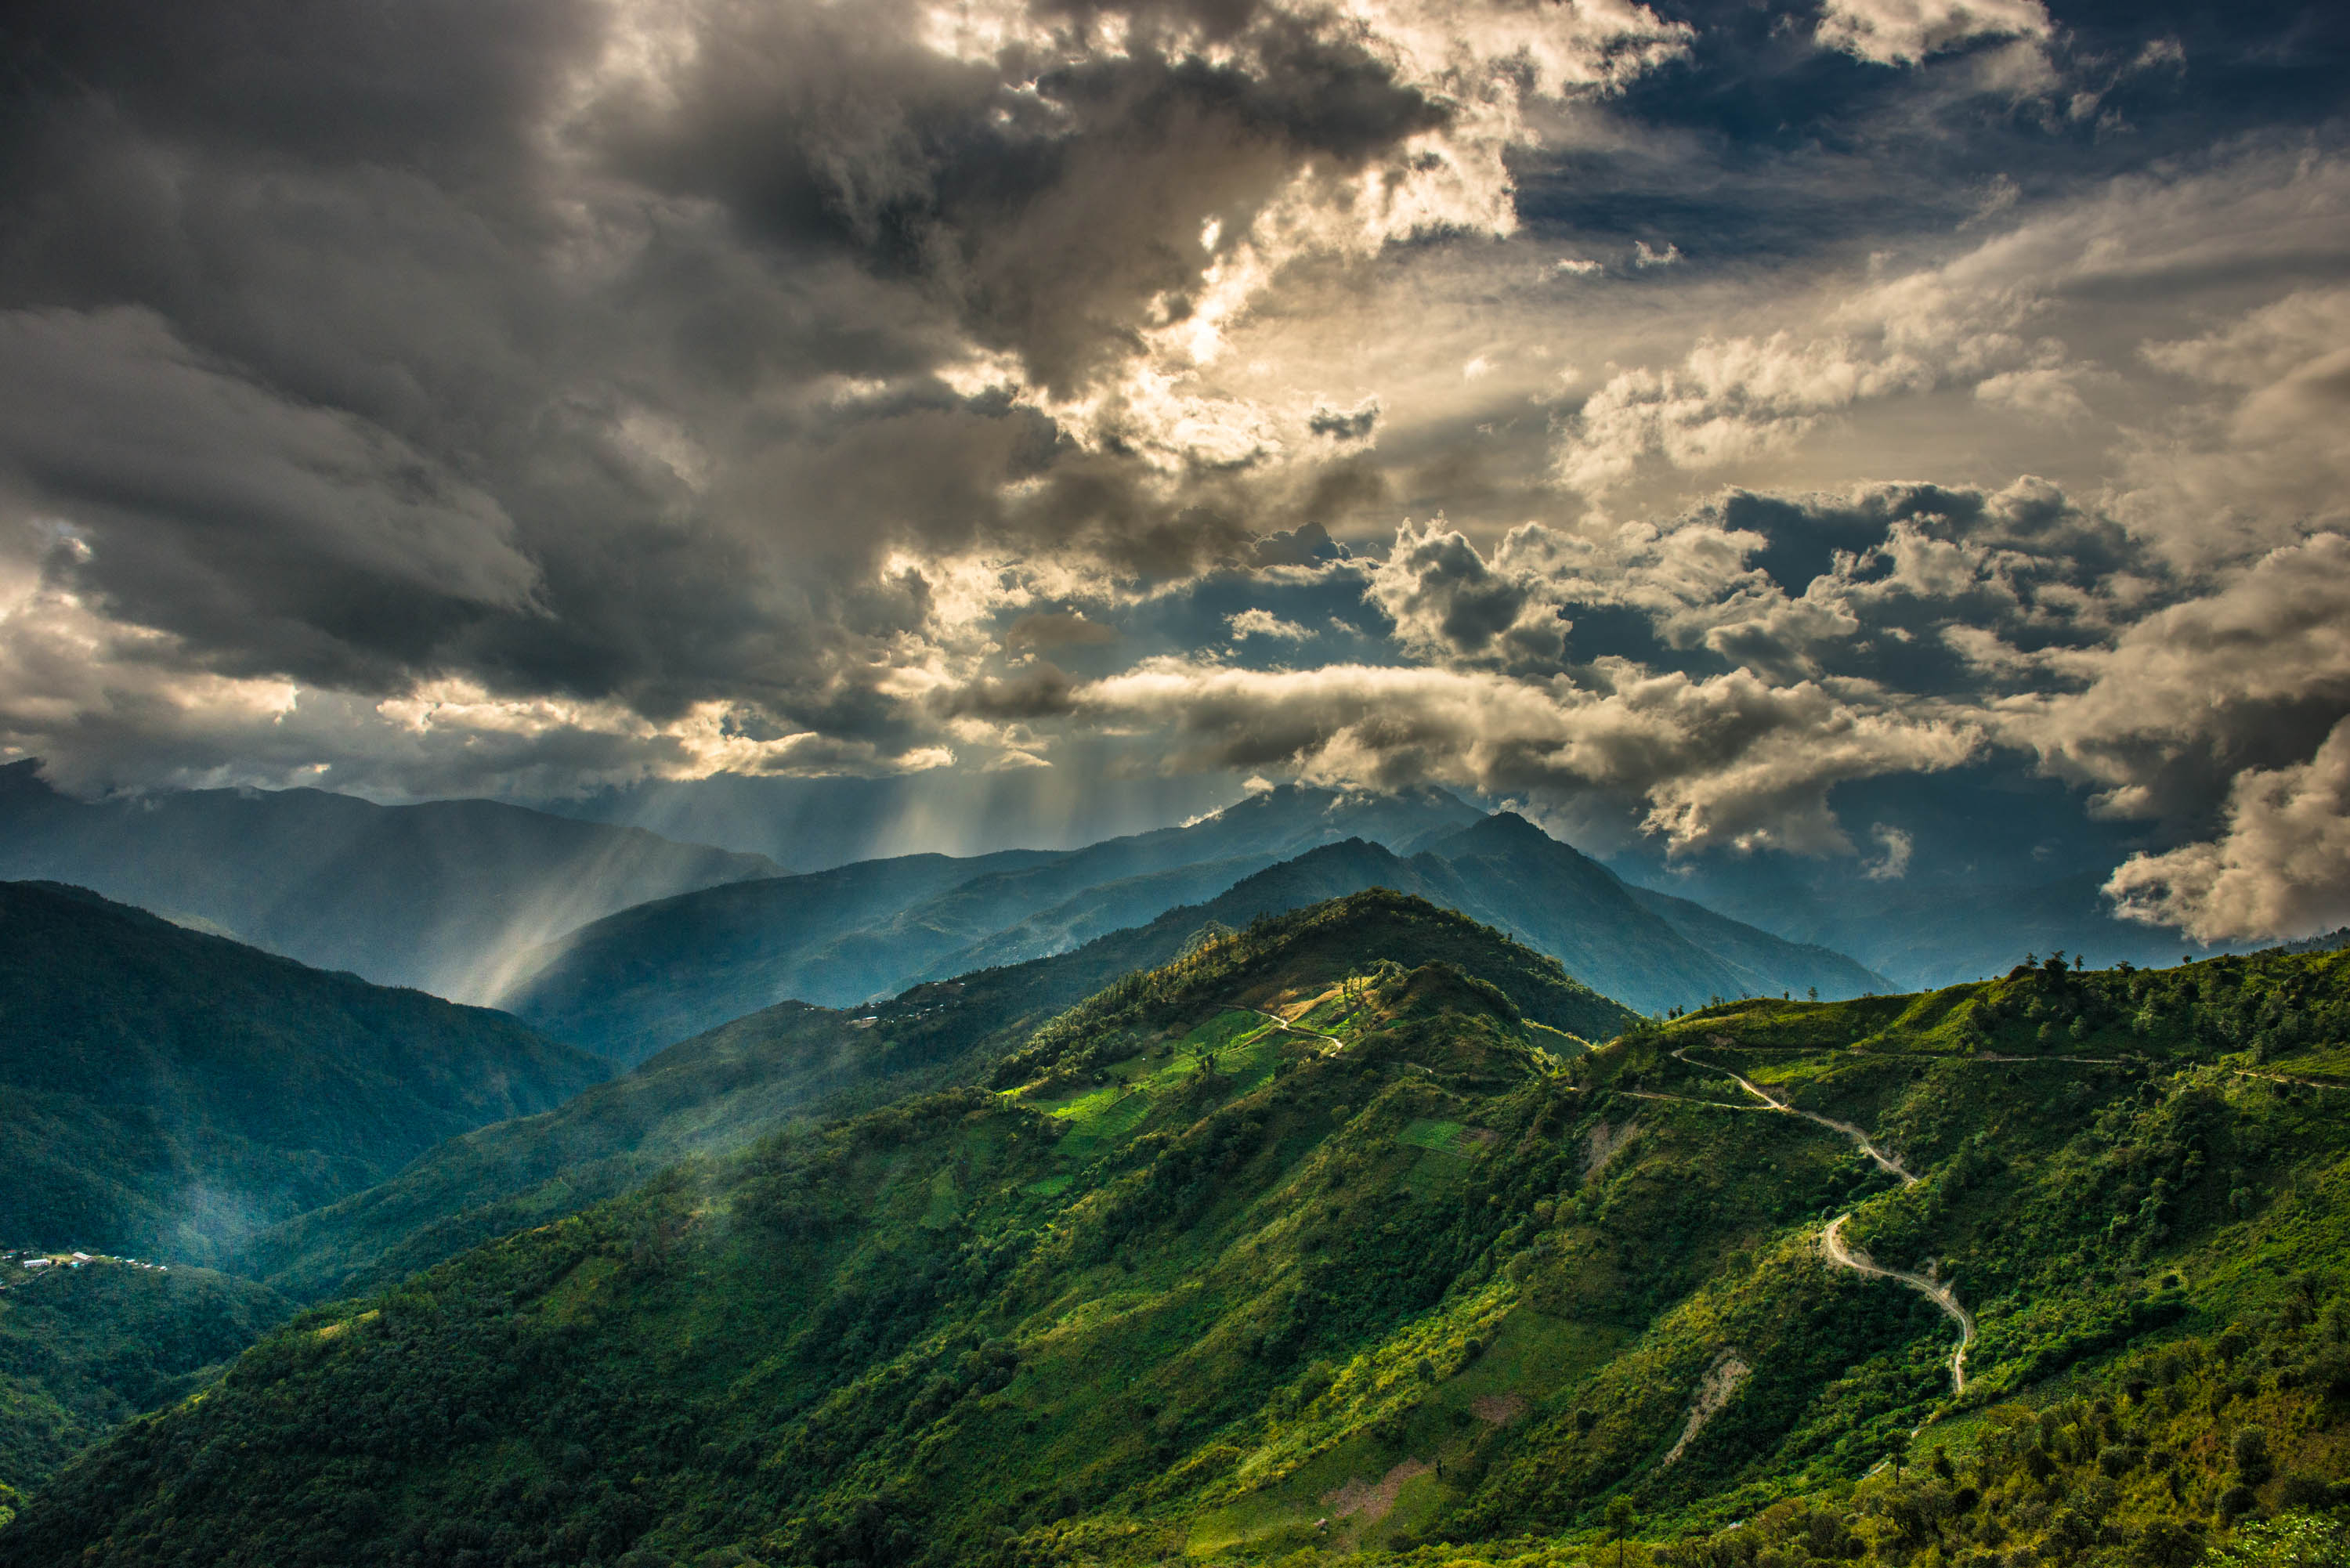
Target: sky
<point>1730,430</point>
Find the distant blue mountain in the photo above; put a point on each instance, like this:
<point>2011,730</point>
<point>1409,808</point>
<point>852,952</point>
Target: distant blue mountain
<point>633,982</point>
<point>441,896</point>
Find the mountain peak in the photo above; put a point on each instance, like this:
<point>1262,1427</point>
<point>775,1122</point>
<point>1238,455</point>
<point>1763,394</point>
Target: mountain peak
<point>1509,823</point>
<point>1506,832</point>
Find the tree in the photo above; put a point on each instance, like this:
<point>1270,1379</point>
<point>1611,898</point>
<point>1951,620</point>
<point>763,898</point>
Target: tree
<point>1621,1521</point>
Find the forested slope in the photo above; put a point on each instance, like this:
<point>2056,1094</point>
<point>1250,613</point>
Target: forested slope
<point>445,896</point>
<point>644,979</point>
<point>1284,1250</point>
<point>83,1349</point>
<point>166,1093</point>
<point>723,1089</point>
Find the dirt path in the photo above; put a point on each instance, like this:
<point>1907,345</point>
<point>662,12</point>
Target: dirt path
<point>1832,1240</point>
<point>1891,1166</point>
<point>2287,1078</point>
<point>1286,1023</point>
<point>1942,1296</point>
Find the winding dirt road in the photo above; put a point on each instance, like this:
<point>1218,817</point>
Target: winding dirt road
<point>1891,1166</point>
<point>1832,1240</point>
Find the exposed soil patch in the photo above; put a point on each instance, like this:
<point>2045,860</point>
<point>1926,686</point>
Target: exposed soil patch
<point>1714,1391</point>
<point>1497,1409</point>
<point>1358,1498</point>
<point>1604,1144</point>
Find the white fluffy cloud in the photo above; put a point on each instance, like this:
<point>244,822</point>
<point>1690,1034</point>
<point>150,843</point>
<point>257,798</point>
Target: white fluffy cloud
<point>1249,623</point>
<point>1904,32</point>
<point>2199,687</point>
<point>2282,868</point>
<point>643,391</point>
<point>2264,461</point>
<point>1727,762</point>
<point>2047,320</point>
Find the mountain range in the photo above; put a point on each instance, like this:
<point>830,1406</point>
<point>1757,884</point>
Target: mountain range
<point>633,982</point>
<point>1328,1237</point>
<point>440,895</point>
<point>624,943</point>
<point>792,1064</point>
<point>1330,1176</point>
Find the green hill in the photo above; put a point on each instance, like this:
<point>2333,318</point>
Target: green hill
<point>716,1092</point>
<point>1287,1251</point>
<point>723,1089</point>
<point>83,1349</point>
<point>165,1094</point>
<point>630,984</point>
<point>637,981</point>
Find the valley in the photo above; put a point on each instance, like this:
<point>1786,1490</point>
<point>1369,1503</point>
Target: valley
<point>1334,1217</point>
<point>1276,1247</point>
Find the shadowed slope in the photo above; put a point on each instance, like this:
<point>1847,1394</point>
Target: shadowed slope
<point>642,979</point>
<point>163,1092</point>
<point>715,1093</point>
<point>443,895</point>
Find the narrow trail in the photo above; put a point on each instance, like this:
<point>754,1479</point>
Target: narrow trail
<point>2287,1078</point>
<point>1286,1023</point>
<point>1891,1166</point>
<point>1831,1240</point>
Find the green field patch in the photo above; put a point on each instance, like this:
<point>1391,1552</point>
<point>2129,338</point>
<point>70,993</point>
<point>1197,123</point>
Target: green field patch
<point>1250,1064</point>
<point>1444,1137</point>
<point>1558,1042</point>
<point>1784,1072</point>
<point>1284,1515</point>
<point>1103,1117</point>
<point>2331,1060</point>
<point>1049,1187</point>
<point>1226,1029</point>
<point>577,1292</point>
<point>1534,1357</point>
<point>946,1200</point>
<point>1431,1174</point>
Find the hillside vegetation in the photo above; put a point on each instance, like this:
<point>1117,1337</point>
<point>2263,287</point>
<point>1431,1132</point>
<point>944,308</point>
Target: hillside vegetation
<point>1290,1249</point>
<point>165,1093</point>
<point>721,1090</point>
<point>629,985</point>
<point>83,1349</point>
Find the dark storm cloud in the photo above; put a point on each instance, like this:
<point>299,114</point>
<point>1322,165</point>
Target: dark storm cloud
<point>1040,692</point>
<point>230,485</point>
<point>374,344</point>
<point>445,86</point>
<point>1345,424</point>
<point>1053,201</point>
<point>458,394</point>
